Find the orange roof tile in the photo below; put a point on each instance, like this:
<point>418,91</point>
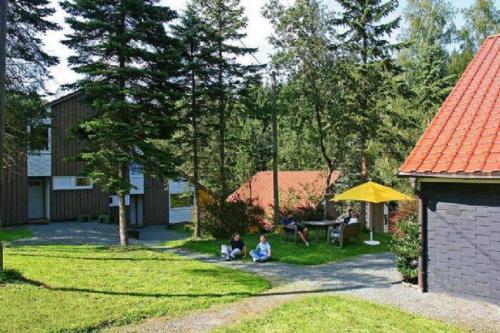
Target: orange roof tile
<point>464,136</point>
<point>303,184</point>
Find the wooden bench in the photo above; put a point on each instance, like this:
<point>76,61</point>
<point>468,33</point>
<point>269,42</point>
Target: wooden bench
<point>346,232</point>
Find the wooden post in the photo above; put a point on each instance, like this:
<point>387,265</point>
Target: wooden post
<point>422,237</point>
<point>276,216</point>
<point>3,48</point>
<point>1,256</point>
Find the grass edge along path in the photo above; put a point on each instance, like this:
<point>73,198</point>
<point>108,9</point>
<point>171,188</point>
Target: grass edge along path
<point>290,252</point>
<point>87,288</point>
<point>325,313</point>
<point>8,234</point>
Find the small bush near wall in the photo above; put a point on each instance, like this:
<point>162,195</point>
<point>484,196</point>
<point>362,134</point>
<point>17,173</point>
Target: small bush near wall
<point>406,246</point>
<point>305,213</point>
<point>238,216</point>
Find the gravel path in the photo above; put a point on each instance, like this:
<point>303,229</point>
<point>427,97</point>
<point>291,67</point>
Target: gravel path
<point>371,277</point>
<point>78,233</point>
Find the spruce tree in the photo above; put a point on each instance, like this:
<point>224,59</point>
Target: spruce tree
<point>129,65</point>
<point>227,19</point>
<point>365,37</point>
<point>28,66</point>
<point>198,67</point>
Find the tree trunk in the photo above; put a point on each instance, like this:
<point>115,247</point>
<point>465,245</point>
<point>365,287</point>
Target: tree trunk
<point>122,208</point>
<point>276,202</point>
<point>3,39</point>
<point>222,138</point>
<point>1,256</point>
<point>196,166</point>
<point>324,153</point>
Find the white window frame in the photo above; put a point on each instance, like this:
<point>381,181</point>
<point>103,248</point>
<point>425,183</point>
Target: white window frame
<point>65,183</point>
<point>113,200</point>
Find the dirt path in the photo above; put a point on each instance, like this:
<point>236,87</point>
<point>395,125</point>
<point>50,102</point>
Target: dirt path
<point>372,277</point>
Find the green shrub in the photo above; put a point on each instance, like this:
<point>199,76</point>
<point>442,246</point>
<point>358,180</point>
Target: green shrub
<point>132,233</point>
<point>238,216</point>
<point>406,247</point>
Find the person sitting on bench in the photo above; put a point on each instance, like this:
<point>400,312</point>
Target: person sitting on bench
<point>302,231</point>
<point>262,251</point>
<point>350,219</point>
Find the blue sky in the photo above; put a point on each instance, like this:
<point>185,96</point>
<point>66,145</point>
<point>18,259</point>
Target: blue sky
<point>258,31</point>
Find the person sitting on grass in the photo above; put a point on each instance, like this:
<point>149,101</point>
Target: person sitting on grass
<point>236,248</point>
<point>301,230</point>
<point>262,251</point>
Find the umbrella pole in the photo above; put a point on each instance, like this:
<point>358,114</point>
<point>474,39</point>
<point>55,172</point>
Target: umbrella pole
<point>371,241</point>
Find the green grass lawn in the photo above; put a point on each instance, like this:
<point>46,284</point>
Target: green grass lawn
<point>288,251</point>
<point>337,314</point>
<point>9,235</point>
<point>80,289</point>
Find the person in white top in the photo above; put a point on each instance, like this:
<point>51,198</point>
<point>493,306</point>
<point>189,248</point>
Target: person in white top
<point>350,219</point>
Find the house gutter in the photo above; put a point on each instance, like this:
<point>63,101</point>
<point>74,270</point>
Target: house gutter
<point>422,222</point>
<point>472,177</point>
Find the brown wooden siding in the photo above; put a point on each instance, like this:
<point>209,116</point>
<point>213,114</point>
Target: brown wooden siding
<point>155,203</point>
<point>66,115</point>
<point>68,204</point>
<point>14,194</point>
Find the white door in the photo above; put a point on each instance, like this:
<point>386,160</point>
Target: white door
<point>36,199</point>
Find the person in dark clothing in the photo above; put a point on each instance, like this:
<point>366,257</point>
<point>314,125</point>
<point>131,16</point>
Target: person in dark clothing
<point>350,214</point>
<point>236,248</point>
<point>301,230</point>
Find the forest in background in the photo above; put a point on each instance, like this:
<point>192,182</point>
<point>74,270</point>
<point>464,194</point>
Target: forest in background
<point>172,93</point>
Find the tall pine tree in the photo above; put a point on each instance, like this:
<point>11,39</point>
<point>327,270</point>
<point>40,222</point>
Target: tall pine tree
<point>198,68</point>
<point>227,19</point>
<point>365,37</point>
<point>129,65</point>
<point>28,66</point>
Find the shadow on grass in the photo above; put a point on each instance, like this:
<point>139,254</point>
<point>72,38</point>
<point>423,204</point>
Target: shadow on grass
<point>210,295</point>
<point>11,276</point>
<point>96,258</point>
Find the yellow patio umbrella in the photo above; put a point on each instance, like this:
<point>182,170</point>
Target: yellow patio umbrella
<point>372,192</point>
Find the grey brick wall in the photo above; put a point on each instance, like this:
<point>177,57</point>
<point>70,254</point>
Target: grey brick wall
<point>464,238</point>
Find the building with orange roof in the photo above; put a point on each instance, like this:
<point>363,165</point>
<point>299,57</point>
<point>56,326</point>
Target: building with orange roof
<point>298,189</point>
<point>455,169</point>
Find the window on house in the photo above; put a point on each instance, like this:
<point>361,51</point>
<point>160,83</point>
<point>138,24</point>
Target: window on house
<point>71,183</point>
<point>136,169</point>
<point>39,138</point>
<point>83,182</point>
<point>181,200</point>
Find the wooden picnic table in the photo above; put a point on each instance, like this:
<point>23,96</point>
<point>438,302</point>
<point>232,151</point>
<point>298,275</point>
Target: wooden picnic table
<point>318,225</point>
